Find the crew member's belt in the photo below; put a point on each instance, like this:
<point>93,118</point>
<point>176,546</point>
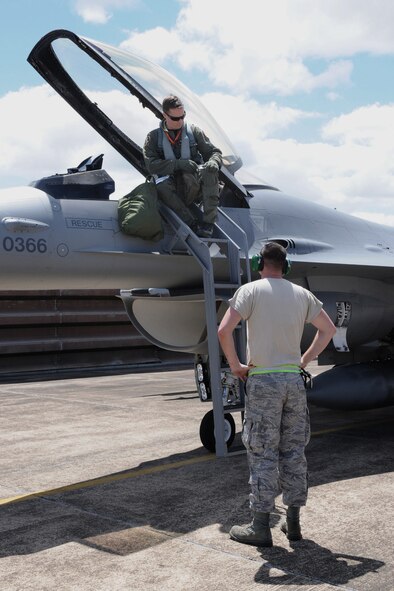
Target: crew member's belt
<point>285,368</point>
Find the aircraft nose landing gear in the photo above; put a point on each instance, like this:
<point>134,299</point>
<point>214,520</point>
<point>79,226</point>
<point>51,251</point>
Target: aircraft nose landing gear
<point>207,431</point>
<point>232,397</point>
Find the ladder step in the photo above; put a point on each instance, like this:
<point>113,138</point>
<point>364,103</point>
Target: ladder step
<point>215,240</point>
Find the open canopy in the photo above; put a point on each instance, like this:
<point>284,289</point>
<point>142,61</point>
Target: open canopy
<point>97,81</point>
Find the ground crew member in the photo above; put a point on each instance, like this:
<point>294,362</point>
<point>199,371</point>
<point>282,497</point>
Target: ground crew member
<point>186,166</point>
<point>276,422</point>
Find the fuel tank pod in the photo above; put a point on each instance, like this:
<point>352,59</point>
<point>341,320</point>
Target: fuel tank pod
<point>357,386</point>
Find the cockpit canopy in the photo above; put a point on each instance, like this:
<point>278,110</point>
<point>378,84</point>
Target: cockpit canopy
<point>97,81</point>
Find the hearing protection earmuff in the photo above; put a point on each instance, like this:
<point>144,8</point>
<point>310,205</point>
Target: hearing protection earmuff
<point>257,264</point>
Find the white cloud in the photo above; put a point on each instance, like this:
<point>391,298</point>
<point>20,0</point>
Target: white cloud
<point>367,125</point>
<point>35,123</point>
<point>154,44</point>
<point>159,45</point>
<point>42,135</point>
<point>332,96</point>
<point>350,168</point>
<point>100,11</point>
<point>353,173</point>
<point>249,123</point>
<point>242,115</point>
<point>268,47</point>
<point>378,218</point>
<point>293,28</point>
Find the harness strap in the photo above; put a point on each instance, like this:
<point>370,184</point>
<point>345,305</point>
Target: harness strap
<point>188,140</point>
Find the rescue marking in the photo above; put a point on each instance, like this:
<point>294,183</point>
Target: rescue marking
<point>88,224</point>
<point>156,469</point>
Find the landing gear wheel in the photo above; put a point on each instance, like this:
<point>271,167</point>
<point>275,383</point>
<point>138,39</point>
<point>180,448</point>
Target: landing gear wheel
<point>207,432</point>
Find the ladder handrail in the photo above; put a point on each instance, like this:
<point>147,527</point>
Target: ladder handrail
<point>244,240</point>
<point>199,249</point>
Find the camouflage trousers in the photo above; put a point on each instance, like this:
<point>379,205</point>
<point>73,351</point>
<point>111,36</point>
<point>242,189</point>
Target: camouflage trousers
<point>275,432</point>
<point>183,189</point>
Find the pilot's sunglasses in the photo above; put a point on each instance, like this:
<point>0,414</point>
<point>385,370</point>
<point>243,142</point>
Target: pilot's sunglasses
<point>176,118</point>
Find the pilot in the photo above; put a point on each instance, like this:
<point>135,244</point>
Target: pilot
<point>276,423</point>
<point>185,165</point>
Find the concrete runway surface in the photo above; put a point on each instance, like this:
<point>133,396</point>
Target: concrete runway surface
<point>105,486</point>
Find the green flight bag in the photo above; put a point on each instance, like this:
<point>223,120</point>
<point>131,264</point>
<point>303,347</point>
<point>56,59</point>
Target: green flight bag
<point>138,212</point>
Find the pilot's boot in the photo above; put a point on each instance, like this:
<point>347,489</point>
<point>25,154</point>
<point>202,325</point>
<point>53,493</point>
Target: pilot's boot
<point>256,533</point>
<point>291,527</point>
<point>205,230</point>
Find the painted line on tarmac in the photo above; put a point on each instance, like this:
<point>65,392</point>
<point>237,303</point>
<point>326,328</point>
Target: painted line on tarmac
<point>107,479</point>
<point>160,468</point>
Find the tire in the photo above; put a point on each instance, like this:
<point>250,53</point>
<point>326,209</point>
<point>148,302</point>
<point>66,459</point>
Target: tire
<point>207,431</point>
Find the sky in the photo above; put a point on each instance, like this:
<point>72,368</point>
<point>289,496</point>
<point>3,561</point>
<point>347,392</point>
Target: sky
<point>303,88</point>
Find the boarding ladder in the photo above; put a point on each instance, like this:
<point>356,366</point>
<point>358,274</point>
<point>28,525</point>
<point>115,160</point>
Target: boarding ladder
<point>230,239</point>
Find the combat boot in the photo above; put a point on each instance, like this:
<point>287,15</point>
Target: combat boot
<point>291,527</point>
<point>205,230</point>
<point>256,533</point>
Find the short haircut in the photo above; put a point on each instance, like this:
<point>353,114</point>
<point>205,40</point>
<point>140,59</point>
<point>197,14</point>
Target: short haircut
<point>171,102</point>
<point>274,254</point>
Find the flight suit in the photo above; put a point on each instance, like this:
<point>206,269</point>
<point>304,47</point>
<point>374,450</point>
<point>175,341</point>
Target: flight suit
<point>181,189</point>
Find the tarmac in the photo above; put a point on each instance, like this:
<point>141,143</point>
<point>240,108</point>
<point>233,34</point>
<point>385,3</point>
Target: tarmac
<point>105,486</point>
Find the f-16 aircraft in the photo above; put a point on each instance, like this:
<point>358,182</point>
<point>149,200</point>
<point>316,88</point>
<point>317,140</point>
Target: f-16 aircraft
<point>62,232</point>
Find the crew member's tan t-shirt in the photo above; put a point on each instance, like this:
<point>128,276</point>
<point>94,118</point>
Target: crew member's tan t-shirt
<point>276,311</point>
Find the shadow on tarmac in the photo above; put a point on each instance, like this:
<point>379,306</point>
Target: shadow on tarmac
<point>312,561</point>
<point>135,513</point>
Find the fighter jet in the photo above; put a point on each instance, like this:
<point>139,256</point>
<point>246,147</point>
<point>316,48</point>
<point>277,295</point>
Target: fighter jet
<point>62,232</point>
